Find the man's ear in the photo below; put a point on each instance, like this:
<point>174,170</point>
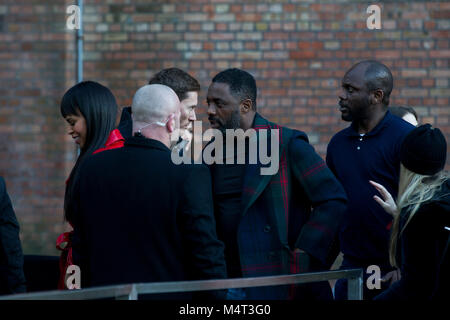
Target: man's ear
<point>376,96</point>
<point>246,106</point>
<point>170,125</point>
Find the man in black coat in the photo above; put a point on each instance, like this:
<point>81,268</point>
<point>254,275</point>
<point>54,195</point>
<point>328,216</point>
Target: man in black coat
<point>141,218</point>
<point>12,279</point>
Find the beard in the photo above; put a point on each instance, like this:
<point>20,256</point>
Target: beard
<point>347,116</point>
<point>354,113</point>
<point>234,122</point>
<point>346,112</point>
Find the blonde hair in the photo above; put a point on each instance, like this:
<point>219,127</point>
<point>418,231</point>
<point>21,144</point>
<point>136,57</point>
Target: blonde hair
<point>414,190</point>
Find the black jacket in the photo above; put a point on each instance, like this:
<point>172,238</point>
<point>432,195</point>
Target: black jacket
<point>140,218</point>
<point>12,279</point>
<point>126,123</point>
<point>424,267</point>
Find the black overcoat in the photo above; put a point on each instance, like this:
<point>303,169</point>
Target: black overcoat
<point>12,279</point>
<point>141,218</point>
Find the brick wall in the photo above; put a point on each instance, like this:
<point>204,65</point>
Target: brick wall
<point>35,59</point>
<point>297,50</point>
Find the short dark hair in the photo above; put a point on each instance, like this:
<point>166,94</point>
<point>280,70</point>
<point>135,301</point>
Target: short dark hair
<point>242,84</point>
<point>178,80</point>
<point>378,76</point>
<point>402,111</point>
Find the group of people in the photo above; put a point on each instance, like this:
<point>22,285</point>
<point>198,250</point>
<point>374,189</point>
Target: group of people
<point>381,197</point>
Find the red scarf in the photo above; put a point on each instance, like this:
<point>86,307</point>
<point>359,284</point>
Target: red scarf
<point>65,260</point>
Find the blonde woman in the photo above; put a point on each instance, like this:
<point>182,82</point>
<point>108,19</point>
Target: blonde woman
<point>420,232</point>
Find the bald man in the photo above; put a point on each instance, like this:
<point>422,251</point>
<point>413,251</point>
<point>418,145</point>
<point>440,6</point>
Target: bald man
<point>140,217</point>
<point>367,150</point>
<point>156,113</point>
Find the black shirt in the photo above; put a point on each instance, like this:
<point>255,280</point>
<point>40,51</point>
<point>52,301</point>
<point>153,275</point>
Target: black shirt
<point>227,191</point>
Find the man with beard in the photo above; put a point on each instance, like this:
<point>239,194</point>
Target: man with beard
<point>367,150</point>
<point>281,223</point>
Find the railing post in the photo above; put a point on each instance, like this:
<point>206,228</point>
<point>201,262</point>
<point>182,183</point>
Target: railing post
<point>132,295</point>
<point>355,287</point>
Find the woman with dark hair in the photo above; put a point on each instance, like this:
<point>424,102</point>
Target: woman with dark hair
<point>90,109</point>
<point>420,234</point>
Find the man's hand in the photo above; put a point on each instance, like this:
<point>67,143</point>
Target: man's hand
<point>387,202</point>
<point>392,277</point>
<point>187,136</point>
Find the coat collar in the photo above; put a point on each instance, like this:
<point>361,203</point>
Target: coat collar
<point>260,123</point>
<point>353,130</point>
<point>254,183</point>
<point>146,143</point>
<point>114,137</point>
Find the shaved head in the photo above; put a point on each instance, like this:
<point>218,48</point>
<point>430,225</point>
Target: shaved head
<point>376,76</point>
<point>154,102</point>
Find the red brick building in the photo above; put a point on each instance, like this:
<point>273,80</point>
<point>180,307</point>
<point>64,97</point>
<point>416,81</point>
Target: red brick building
<point>297,50</point>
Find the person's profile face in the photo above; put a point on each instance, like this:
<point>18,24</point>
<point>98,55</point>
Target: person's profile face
<point>77,128</point>
<point>409,117</point>
<point>223,107</point>
<point>188,106</point>
<point>354,97</point>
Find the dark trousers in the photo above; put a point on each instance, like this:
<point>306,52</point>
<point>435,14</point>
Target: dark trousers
<point>41,272</point>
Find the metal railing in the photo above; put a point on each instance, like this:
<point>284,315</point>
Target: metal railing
<point>131,291</point>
